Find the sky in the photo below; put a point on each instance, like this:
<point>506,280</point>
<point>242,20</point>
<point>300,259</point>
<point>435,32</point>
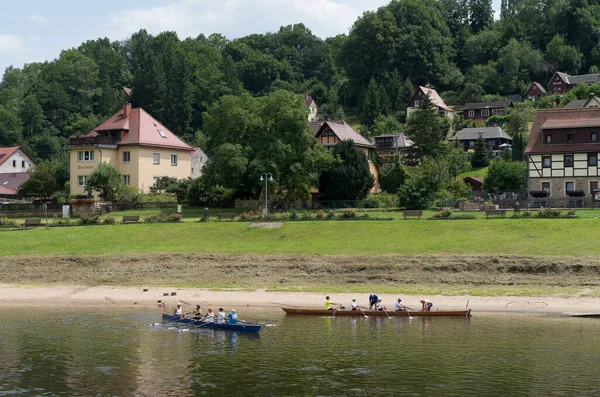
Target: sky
<point>37,30</point>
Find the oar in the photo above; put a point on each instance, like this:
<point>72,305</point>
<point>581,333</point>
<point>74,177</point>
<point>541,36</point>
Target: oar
<point>409,316</point>
<point>385,312</point>
<point>361,310</point>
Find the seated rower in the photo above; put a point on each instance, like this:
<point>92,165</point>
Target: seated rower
<point>179,311</point>
<point>353,304</point>
<point>426,305</point>
<point>328,304</point>
<point>210,316</point>
<point>379,307</point>
<point>398,307</point>
<point>221,316</point>
<point>198,312</point>
<point>233,318</point>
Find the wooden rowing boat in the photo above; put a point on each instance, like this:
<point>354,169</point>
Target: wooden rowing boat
<point>323,312</point>
<point>211,325</point>
<point>583,314</point>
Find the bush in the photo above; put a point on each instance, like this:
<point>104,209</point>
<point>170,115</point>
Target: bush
<point>109,220</point>
<point>247,215</point>
<point>527,213</point>
<point>173,218</point>
<point>372,201</point>
<point>60,222</point>
<point>294,214</point>
<point>444,213</point>
<point>549,213</point>
<point>572,212</point>
<point>349,213</point>
<point>306,215</point>
<point>152,218</point>
<point>320,214</point>
<point>331,214</point>
<point>89,220</point>
<point>7,222</point>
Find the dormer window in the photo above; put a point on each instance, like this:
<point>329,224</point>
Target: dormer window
<point>569,137</point>
<point>162,133</point>
<point>593,137</point>
<point>548,139</point>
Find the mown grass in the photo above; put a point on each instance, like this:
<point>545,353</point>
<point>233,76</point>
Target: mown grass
<point>480,172</point>
<point>497,237</point>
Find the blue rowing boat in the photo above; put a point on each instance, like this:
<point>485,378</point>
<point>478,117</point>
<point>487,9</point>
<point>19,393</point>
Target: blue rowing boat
<point>211,325</point>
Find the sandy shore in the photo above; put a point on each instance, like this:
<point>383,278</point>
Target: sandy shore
<point>129,296</point>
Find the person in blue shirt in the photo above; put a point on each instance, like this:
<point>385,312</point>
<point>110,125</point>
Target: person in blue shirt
<point>373,298</point>
<point>233,319</point>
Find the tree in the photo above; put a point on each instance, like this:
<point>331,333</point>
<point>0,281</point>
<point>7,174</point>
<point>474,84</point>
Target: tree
<point>504,176</point>
<point>386,125</point>
<point>349,177</point>
<point>482,15</point>
<point>419,190</point>
<point>40,182</point>
<point>566,58</point>
<point>518,147</point>
<point>106,180</point>
<point>202,193</point>
<point>392,176</point>
<point>427,129</point>
<point>173,186</point>
<point>480,157</point>
<point>371,105</point>
<point>10,128</point>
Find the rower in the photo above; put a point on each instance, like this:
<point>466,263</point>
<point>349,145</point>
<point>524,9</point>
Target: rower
<point>328,304</point>
<point>398,307</point>
<point>221,316</point>
<point>426,305</point>
<point>210,316</point>
<point>179,311</point>
<point>233,318</point>
<point>353,304</point>
<point>378,306</point>
<point>373,298</point>
<point>198,312</point>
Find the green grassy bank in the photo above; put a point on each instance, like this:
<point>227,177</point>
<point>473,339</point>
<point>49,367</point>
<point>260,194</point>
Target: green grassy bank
<point>494,236</point>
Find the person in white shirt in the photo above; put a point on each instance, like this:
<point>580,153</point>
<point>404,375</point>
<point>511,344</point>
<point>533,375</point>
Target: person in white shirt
<point>353,304</point>
<point>210,316</point>
<point>398,307</point>
<point>379,306</point>
<point>221,316</point>
<point>179,311</point>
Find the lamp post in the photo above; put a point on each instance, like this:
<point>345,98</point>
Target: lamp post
<point>266,176</point>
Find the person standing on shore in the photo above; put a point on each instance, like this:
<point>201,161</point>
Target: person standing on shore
<point>426,305</point>
<point>373,298</point>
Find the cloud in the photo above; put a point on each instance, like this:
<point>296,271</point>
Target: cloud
<point>236,18</point>
<point>10,43</point>
<point>38,19</point>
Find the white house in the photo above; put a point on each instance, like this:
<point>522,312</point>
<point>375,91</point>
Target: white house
<point>198,160</point>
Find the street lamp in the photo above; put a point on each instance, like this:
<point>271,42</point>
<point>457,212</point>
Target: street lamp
<point>266,176</point>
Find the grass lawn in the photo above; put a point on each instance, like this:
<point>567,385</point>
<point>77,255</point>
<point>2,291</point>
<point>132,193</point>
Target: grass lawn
<point>480,172</point>
<point>497,237</point>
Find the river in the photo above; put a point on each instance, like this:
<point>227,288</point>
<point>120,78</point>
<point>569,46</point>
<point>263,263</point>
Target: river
<point>57,351</point>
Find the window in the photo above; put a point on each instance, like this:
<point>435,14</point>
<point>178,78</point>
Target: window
<point>593,137</point>
<point>498,112</point>
<point>162,133</point>
<point>558,88</point>
<point>569,186</point>
<point>593,185</point>
<point>126,157</point>
<point>23,164</point>
<point>14,163</point>
<point>173,159</point>
<point>126,180</point>
<point>569,137</point>
<point>154,180</point>
<point>485,112</point>
<point>155,158</point>
<point>471,113</point>
<point>568,160</point>
<point>417,103</point>
<point>548,139</point>
<point>546,161</point>
<point>546,187</point>
<point>82,180</point>
<point>85,155</point>
<point>592,159</point>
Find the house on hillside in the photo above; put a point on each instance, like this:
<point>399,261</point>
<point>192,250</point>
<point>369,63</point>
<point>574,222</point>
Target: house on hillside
<point>313,109</point>
<point>495,138</point>
<point>197,161</point>
<point>14,164</point>
<point>591,101</point>
<point>332,132</point>
<point>390,145</point>
<point>417,99</point>
<point>534,91</point>
<point>139,146</point>
<point>481,111</point>
<point>562,153</point>
<point>561,83</point>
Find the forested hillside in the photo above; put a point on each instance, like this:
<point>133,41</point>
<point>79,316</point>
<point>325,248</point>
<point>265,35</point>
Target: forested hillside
<point>454,45</point>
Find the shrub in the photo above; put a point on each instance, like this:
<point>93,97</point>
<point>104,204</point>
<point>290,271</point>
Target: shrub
<point>331,214</point>
<point>306,215</point>
<point>244,216</point>
<point>89,220</point>
<point>527,213</point>
<point>173,218</point>
<point>320,214</point>
<point>364,216</point>
<point>372,202</point>
<point>549,213</point>
<point>572,212</point>
<point>294,214</point>
<point>152,218</point>
<point>109,220</point>
<point>349,213</point>
<point>7,222</point>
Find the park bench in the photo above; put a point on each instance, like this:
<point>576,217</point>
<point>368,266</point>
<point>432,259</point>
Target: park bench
<point>407,213</point>
<point>33,222</point>
<point>227,215</point>
<point>130,218</point>
<point>489,213</point>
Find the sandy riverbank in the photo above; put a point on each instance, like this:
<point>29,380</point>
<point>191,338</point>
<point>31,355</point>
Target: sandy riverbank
<point>130,296</point>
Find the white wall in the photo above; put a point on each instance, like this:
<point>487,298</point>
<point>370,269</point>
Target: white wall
<point>198,160</point>
<point>19,156</point>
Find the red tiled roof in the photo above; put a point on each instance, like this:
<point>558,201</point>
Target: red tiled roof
<point>7,191</point>
<point>560,119</point>
<point>140,129</point>
<point>344,132</point>
<point>435,98</point>
<point>12,180</point>
<point>6,152</point>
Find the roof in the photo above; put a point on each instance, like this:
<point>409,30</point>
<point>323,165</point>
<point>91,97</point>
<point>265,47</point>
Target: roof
<point>140,129</point>
<point>584,78</point>
<point>401,141</point>
<point>6,191</point>
<point>127,91</point>
<point>315,126</point>
<point>308,100</point>
<point>434,97</point>
<point>6,152</point>
<point>539,86</point>
<point>475,179</point>
<point>468,134</point>
<point>12,180</point>
<point>579,103</point>
<point>559,119</point>
<point>487,105</point>
<point>345,133</point>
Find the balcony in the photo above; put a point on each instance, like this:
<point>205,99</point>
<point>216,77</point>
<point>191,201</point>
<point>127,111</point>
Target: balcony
<point>93,141</point>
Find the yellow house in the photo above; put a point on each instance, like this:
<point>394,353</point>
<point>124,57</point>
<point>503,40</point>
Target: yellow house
<point>140,147</point>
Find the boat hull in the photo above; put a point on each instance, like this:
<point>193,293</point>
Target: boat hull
<point>323,312</point>
<point>211,325</point>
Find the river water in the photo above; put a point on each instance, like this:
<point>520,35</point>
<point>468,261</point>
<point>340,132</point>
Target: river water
<point>50,351</point>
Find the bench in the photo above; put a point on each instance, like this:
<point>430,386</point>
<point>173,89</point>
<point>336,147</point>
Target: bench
<point>33,222</point>
<point>130,218</point>
<point>489,213</point>
<point>408,213</point>
<point>227,215</point>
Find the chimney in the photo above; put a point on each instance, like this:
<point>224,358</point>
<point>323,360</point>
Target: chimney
<point>126,110</point>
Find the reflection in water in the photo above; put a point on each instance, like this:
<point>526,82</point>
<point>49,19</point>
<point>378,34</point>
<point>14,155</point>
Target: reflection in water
<point>77,353</point>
